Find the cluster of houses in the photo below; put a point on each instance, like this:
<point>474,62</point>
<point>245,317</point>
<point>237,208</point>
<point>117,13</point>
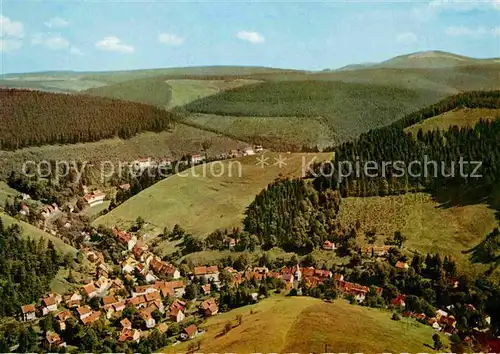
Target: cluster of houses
<point>247,151</point>
<point>441,321</point>
<point>146,299</point>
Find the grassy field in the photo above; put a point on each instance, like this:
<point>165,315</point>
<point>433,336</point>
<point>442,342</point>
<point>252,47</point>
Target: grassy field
<point>279,133</point>
<point>429,228</point>
<point>463,117</point>
<point>154,91</point>
<point>185,91</point>
<point>175,144</point>
<point>307,325</point>
<point>202,202</point>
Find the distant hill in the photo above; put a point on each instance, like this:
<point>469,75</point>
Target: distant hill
<point>433,60</point>
<point>74,81</point>
<point>423,60</point>
<point>285,109</point>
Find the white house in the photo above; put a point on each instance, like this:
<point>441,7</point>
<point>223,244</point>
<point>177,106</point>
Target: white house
<point>150,278</point>
<point>197,158</point>
<point>29,313</point>
<point>248,151</point>
<point>95,198</point>
<point>49,304</point>
<point>177,315</point>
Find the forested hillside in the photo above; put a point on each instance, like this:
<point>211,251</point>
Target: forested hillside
<point>26,269</point>
<point>33,118</point>
<point>445,178</point>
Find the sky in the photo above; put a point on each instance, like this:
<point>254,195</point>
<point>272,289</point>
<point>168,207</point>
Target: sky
<point>122,35</point>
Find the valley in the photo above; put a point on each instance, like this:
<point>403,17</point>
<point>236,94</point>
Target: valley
<point>213,236</point>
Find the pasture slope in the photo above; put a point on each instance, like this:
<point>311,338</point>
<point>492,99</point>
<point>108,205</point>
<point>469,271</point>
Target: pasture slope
<point>427,226</point>
<point>35,233</point>
<point>307,325</point>
<point>461,117</point>
<point>202,202</point>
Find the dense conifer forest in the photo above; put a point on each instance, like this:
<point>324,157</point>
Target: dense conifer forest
<point>34,118</point>
<point>26,269</point>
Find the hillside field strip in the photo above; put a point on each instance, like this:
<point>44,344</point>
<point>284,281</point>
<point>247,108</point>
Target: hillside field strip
<point>309,325</point>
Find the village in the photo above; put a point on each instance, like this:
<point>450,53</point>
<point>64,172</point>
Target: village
<point>155,292</point>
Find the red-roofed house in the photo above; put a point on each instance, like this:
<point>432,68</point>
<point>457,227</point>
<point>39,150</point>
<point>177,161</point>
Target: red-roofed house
<point>402,265</point>
<point>84,312</point>
<point>210,273</point>
<point>206,289</point>
<point>128,334</point>
<point>328,246</point>
<point>29,312</point>
<point>94,316</point>
<point>90,290</point>
<point>54,340</point>
<point>49,304</point>
<point>189,332</point>
<point>176,311</point>
<point>146,315</point>
<point>399,301</point>
<point>209,307</point>
<point>95,198</point>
